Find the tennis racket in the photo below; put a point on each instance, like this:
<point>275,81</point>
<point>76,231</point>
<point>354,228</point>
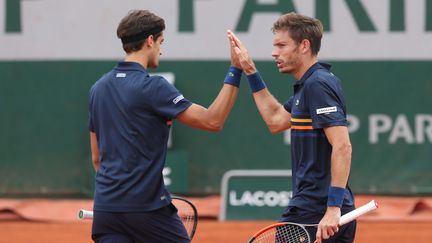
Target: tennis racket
<point>186,211</point>
<point>286,232</point>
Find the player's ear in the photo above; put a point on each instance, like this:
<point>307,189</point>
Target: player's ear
<point>305,45</point>
<point>149,41</point>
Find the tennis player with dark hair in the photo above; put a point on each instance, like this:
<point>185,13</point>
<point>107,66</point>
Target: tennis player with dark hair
<point>316,113</point>
<point>130,114</point>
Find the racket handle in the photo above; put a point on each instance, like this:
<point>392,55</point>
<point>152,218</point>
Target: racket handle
<point>346,218</point>
<point>85,214</point>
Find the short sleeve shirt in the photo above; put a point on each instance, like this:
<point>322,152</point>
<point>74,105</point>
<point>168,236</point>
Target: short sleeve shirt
<point>317,103</point>
<point>131,112</point>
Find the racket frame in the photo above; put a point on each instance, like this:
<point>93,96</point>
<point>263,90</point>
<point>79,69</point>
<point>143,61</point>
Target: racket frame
<point>87,214</point>
<point>346,218</point>
<point>281,224</point>
<point>195,211</point>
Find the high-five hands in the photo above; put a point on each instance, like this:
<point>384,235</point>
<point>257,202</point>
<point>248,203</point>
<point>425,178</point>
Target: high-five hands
<point>234,57</point>
<point>241,54</point>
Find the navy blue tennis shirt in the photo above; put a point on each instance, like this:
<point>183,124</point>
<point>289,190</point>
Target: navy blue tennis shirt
<point>317,103</point>
<point>131,112</point>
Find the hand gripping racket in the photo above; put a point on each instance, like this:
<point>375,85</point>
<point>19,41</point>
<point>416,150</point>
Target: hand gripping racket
<point>186,211</point>
<point>286,232</point>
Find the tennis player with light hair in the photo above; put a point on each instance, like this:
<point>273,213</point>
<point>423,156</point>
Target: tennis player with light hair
<point>130,114</point>
<point>316,113</point>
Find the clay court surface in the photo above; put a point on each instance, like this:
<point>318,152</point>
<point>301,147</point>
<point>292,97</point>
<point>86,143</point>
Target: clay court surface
<point>45,221</point>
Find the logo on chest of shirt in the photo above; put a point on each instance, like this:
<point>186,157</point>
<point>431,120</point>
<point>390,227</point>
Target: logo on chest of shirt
<point>297,102</point>
<point>121,75</point>
<point>326,110</point>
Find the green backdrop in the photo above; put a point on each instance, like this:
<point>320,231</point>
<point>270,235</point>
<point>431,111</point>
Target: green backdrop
<point>44,148</point>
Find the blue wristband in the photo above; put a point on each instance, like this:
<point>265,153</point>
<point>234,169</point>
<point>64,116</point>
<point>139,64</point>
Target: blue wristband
<point>233,76</point>
<point>335,196</point>
<point>255,82</point>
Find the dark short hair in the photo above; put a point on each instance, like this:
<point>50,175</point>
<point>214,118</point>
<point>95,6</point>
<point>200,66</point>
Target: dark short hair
<point>301,27</point>
<point>135,27</point>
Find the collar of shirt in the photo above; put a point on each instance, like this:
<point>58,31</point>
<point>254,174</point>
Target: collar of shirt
<point>130,66</point>
<point>308,73</point>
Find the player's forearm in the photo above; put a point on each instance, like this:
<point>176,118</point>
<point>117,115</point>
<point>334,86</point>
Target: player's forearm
<point>341,164</point>
<point>269,109</point>
<point>219,110</point>
<point>213,118</point>
<point>266,105</point>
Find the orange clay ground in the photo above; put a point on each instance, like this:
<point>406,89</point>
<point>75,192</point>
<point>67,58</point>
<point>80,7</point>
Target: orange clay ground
<point>398,220</point>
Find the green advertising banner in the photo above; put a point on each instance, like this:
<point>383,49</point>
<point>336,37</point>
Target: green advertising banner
<point>255,194</point>
<point>44,145</point>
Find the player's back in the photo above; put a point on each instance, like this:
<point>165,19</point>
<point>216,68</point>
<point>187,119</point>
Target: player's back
<point>132,139</point>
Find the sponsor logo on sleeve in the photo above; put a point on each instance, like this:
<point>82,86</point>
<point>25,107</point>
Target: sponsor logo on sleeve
<point>177,99</point>
<point>326,110</point>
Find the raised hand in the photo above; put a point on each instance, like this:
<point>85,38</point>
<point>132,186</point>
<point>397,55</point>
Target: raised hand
<point>241,54</point>
<point>234,57</point>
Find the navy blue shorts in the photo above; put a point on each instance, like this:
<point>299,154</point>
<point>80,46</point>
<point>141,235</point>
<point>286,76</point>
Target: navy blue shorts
<point>346,233</point>
<point>161,225</point>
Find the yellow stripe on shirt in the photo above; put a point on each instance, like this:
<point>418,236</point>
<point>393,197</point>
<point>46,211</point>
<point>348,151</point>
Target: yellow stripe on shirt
<point>301,120</point>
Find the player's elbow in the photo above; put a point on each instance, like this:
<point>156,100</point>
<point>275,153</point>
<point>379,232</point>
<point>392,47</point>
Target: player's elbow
<point>95,158</point>
<point>349,150</point>
<point>215,127</point>
<point>345,148</point>
<point>96,163</point>
<point>276,128</point>
<point>348,147</point>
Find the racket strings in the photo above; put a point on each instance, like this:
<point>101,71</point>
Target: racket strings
<point>284,234</point>
<point>186,214</point>
<point>187,220</point>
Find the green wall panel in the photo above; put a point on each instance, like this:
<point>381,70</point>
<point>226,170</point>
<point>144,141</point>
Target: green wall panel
<point>44,148</point>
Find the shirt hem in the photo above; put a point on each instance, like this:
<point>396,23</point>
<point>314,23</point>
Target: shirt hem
<point>128,208</point>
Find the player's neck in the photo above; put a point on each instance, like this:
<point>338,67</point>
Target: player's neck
<point>137,57</point>
<point>304,67</point>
